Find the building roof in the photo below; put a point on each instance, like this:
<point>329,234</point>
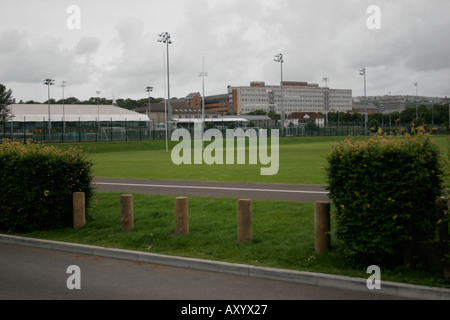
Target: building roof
<point>73,113</point>
<point>178,107</point>
<point>249,117</point>
<point>306,116</point>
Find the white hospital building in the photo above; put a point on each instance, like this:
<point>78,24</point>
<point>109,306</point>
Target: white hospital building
<point>292,96</point>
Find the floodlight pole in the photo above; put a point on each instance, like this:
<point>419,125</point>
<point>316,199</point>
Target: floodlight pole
<point>165,38</point>
<point>48,83</point>
<point>279,58</point>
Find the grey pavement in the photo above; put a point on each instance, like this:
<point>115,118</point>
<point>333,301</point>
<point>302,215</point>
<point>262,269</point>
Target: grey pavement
<point>243,277</point>
<point>254,191</point>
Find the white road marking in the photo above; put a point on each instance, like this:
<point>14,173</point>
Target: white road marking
<point>214,188</point>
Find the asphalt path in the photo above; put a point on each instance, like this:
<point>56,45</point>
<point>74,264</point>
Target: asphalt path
<point>253,191</point>
<point>32,273</point>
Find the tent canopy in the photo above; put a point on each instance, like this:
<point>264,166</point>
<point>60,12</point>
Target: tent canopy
<point>73,113</point>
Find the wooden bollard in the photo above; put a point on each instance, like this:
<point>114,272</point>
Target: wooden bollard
<point>181,216</point>
<point>244,218</point>
<point>442,225</point>
<point>79,211</point>
<point>126,208</point>
<point>322,227</point>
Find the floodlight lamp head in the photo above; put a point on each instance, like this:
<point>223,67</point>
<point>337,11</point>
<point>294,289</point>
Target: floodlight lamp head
<point>49,82</point>
<point>279,58</point>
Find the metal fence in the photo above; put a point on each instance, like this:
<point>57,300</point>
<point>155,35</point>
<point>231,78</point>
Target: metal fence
<point>81,131</point>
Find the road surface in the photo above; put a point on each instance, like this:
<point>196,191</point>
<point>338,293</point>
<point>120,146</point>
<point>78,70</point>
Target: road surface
<point>36,273</point>
<point>253,191</point>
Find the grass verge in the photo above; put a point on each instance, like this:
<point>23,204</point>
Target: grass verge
<point>283,236</point>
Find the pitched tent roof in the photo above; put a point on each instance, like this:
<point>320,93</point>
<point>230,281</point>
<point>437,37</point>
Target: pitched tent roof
<point>306,116</point>
<point>73,113</point>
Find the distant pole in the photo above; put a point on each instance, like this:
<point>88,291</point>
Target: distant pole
<point>280,58</point>
<point>363,73</point>
<point>417,97</point>
<point>165,105</point>
<point>48,83</point>
<point>165,38</point>
<point>149,90</point>
<point>327,98</point>
<point>98,111</point>
<point>64,112</point>
<point>203,74</point>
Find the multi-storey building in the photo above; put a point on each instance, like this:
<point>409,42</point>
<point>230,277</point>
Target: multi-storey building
<point>390,104</point>
<point>292,96</point>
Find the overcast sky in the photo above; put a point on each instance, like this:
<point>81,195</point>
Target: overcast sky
<point>115,50</point>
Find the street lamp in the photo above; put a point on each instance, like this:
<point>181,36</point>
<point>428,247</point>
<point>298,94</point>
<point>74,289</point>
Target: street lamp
<point>279,58</point>
<point>362,72</point>
<point>149,89</point>
<point>48,83</point>
<point>64,112</point>
<point>165,38</point>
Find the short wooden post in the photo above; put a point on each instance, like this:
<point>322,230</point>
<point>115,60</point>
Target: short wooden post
<point>79,212</point>
<point>322,227</point>
<point>126,207</point>
<point>442,223</point>
<point>244,218</point>
<point>181,216</point>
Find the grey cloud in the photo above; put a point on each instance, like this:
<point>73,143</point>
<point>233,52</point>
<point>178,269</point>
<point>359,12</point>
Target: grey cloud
<point>87,45</point>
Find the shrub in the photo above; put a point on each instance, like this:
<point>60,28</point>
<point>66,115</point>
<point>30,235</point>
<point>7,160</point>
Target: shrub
<point>37,183</point>
<point>384,189</point>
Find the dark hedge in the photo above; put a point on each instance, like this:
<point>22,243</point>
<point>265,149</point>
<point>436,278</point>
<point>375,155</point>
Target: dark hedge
<point>384,189</point>
<point>37,183</point>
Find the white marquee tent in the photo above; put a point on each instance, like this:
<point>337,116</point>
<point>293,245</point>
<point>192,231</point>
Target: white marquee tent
<point>73,113</point>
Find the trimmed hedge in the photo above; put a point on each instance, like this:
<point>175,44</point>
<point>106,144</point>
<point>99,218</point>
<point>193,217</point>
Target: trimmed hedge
<point>37,183</point>
<point>384,189</point>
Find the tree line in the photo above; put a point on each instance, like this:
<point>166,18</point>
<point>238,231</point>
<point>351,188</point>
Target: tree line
<point>435,114</point>
<point>129,104</point>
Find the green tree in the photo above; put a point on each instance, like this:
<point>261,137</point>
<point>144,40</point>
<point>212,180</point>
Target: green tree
<point>5,101</point>
<point>273,115</point>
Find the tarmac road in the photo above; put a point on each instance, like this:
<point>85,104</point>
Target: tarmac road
<point>254,191</point>
<point>31,273</point>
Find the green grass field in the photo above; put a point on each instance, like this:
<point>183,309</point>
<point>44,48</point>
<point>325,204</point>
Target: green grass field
<point>302,161</point>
